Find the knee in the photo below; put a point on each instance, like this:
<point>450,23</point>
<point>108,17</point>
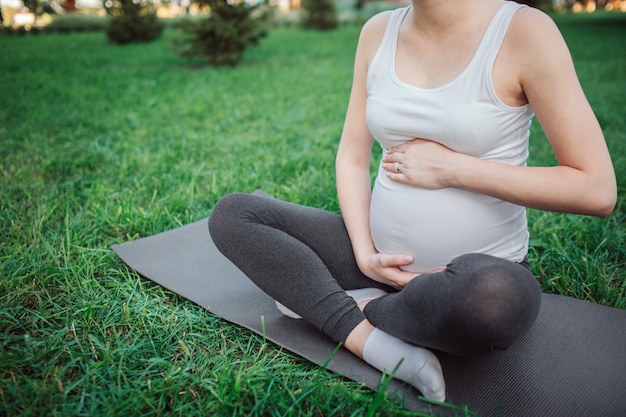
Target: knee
<point>506,299</point>
<point>227,213</point>
<point>228,204</point>
<point>499,279</point>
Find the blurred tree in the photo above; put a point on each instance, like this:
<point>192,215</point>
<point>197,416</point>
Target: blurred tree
<point>359,5</point>
<point>134,21</point>
<point>319,14</point>
<point>222,37</point>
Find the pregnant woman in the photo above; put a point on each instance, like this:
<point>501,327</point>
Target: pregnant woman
<point>434,257</point>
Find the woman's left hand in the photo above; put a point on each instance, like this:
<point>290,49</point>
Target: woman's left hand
<point>420,163</point>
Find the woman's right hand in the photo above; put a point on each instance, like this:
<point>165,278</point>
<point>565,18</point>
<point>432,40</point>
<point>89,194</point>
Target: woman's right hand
<point>386,269</point>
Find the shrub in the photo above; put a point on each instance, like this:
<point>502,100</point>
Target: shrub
<point>75,22</point>
<point>222,37</point>
<point>319,15</point>
<point>134,22</point>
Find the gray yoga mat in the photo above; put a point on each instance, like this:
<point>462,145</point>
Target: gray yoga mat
<point>571,363</point>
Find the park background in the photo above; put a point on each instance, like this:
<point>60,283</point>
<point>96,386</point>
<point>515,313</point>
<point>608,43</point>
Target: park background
<point>102,144</point>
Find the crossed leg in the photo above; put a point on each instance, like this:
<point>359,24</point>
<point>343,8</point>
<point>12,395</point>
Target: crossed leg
<point>302,257</point>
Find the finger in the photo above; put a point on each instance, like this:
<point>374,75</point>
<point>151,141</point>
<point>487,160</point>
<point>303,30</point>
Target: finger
<point>396,153</point>
<point>395,167</point>
<point>397,177</point>
<point>392,157</point>
<point>398,149</point>
<point>401,278</point>
<point>395,260</point>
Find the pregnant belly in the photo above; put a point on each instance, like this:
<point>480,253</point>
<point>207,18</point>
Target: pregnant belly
<point>435,226</point>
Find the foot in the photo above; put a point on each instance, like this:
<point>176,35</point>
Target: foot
<point>417,366</point>
<point>413,364</point>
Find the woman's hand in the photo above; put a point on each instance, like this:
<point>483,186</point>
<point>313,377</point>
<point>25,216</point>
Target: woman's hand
<point>420,163</point>
<point>386,269</point>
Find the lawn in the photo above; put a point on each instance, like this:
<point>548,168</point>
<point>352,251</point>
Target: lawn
<point>101,144</point>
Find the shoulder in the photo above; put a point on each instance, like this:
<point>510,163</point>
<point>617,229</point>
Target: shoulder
<point>378,23</point>
<point>538,46</point>
<point>372,33</point>
<point>531,30</point>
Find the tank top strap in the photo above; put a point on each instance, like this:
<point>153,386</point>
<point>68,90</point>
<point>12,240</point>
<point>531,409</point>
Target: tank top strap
<point>495,33</point>
<point>387,49</point>
<point>395,20</point>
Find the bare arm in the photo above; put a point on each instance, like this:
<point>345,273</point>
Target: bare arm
<point>353,170</point>
<point>584,180</point>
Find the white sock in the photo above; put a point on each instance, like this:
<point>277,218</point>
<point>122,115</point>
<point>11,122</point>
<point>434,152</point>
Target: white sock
<point>359,295</point>
<point>419,367</point>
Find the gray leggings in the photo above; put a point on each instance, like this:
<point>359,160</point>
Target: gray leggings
<point>302,257</point>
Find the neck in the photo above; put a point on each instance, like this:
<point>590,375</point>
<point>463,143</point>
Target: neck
<point>439,16</point>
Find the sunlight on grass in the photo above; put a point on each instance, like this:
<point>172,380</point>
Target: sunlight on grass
<point>101,144</point>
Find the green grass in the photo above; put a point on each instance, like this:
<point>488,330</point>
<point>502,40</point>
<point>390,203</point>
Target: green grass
<point>102,144</point>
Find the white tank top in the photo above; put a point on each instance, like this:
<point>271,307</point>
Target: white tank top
<point>466,115</point>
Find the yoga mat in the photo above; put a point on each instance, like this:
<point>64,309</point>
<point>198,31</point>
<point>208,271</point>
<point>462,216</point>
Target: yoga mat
<point>571,363</point>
